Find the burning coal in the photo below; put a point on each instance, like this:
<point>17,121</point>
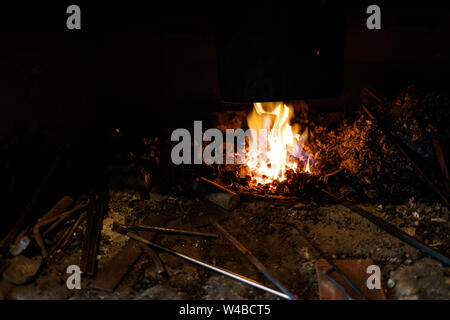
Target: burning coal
<point>280,148</point>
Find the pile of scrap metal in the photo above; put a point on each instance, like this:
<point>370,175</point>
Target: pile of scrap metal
<point>52,233</point>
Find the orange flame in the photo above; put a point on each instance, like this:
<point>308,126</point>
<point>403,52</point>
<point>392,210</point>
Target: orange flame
<point>275,146</point>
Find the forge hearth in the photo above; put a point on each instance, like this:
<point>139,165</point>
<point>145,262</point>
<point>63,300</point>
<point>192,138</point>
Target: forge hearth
<point>349,156</point>
<point>266,150</point>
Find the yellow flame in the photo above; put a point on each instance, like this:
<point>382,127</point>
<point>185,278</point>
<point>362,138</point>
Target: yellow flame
<point>269,159</point>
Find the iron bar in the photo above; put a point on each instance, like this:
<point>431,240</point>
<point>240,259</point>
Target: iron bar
<point>407,156</point>
<point>392,230</point>
<point>337,284</point>
<point>220,270</point>
<point>166,230</point>
<point>253,260</point>
<point>328,260</point>
<point>95,213</point>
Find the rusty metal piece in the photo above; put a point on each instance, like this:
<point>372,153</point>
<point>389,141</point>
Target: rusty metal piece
<point>324,256</point>
<point>87,261</point>
<point>61,206</point>
<point>266,196</point>
<point>62,242</point>
<point>340,169</point>
<point>95,215</point>
<point>37,227</point>
<point>372,95</point>
<point>160,269</point>
<point>337,284</point>
<point>159,265</point>
<point>254,260</point>
<point>53,226</point>
<point>442,163</point>
<point>110,276</point>
<point>74,227</point>
<point>61,239</point>
<point>216,193</point>
<point>335,288</point>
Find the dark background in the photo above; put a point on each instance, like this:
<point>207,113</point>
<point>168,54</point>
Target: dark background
<point>141,66</point>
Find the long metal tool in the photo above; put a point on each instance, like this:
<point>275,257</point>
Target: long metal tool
<point>36,229</point>
<point>330,262</point>
<point>389,228</point>
<point>407,156</point>
<point>220,270</point>
<point>337,284</point>
<point>166,230</point>
<point>95,213</point>
<point>254,260</point>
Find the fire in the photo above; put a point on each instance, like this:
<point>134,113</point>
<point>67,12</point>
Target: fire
<point>275,146</point>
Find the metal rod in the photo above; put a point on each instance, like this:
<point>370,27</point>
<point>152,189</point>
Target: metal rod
<point>169,230</point>
<point>337,284</point>
<point>220,270</point>
<point>96,211</point>
<point>254,260</point>
<point>328,260</point>
<point>87,258</point>
<point>72,230</point>
<point>40,224</point>
<point>442,163</point>
<point>392,230</point>
<point>407,156</point>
